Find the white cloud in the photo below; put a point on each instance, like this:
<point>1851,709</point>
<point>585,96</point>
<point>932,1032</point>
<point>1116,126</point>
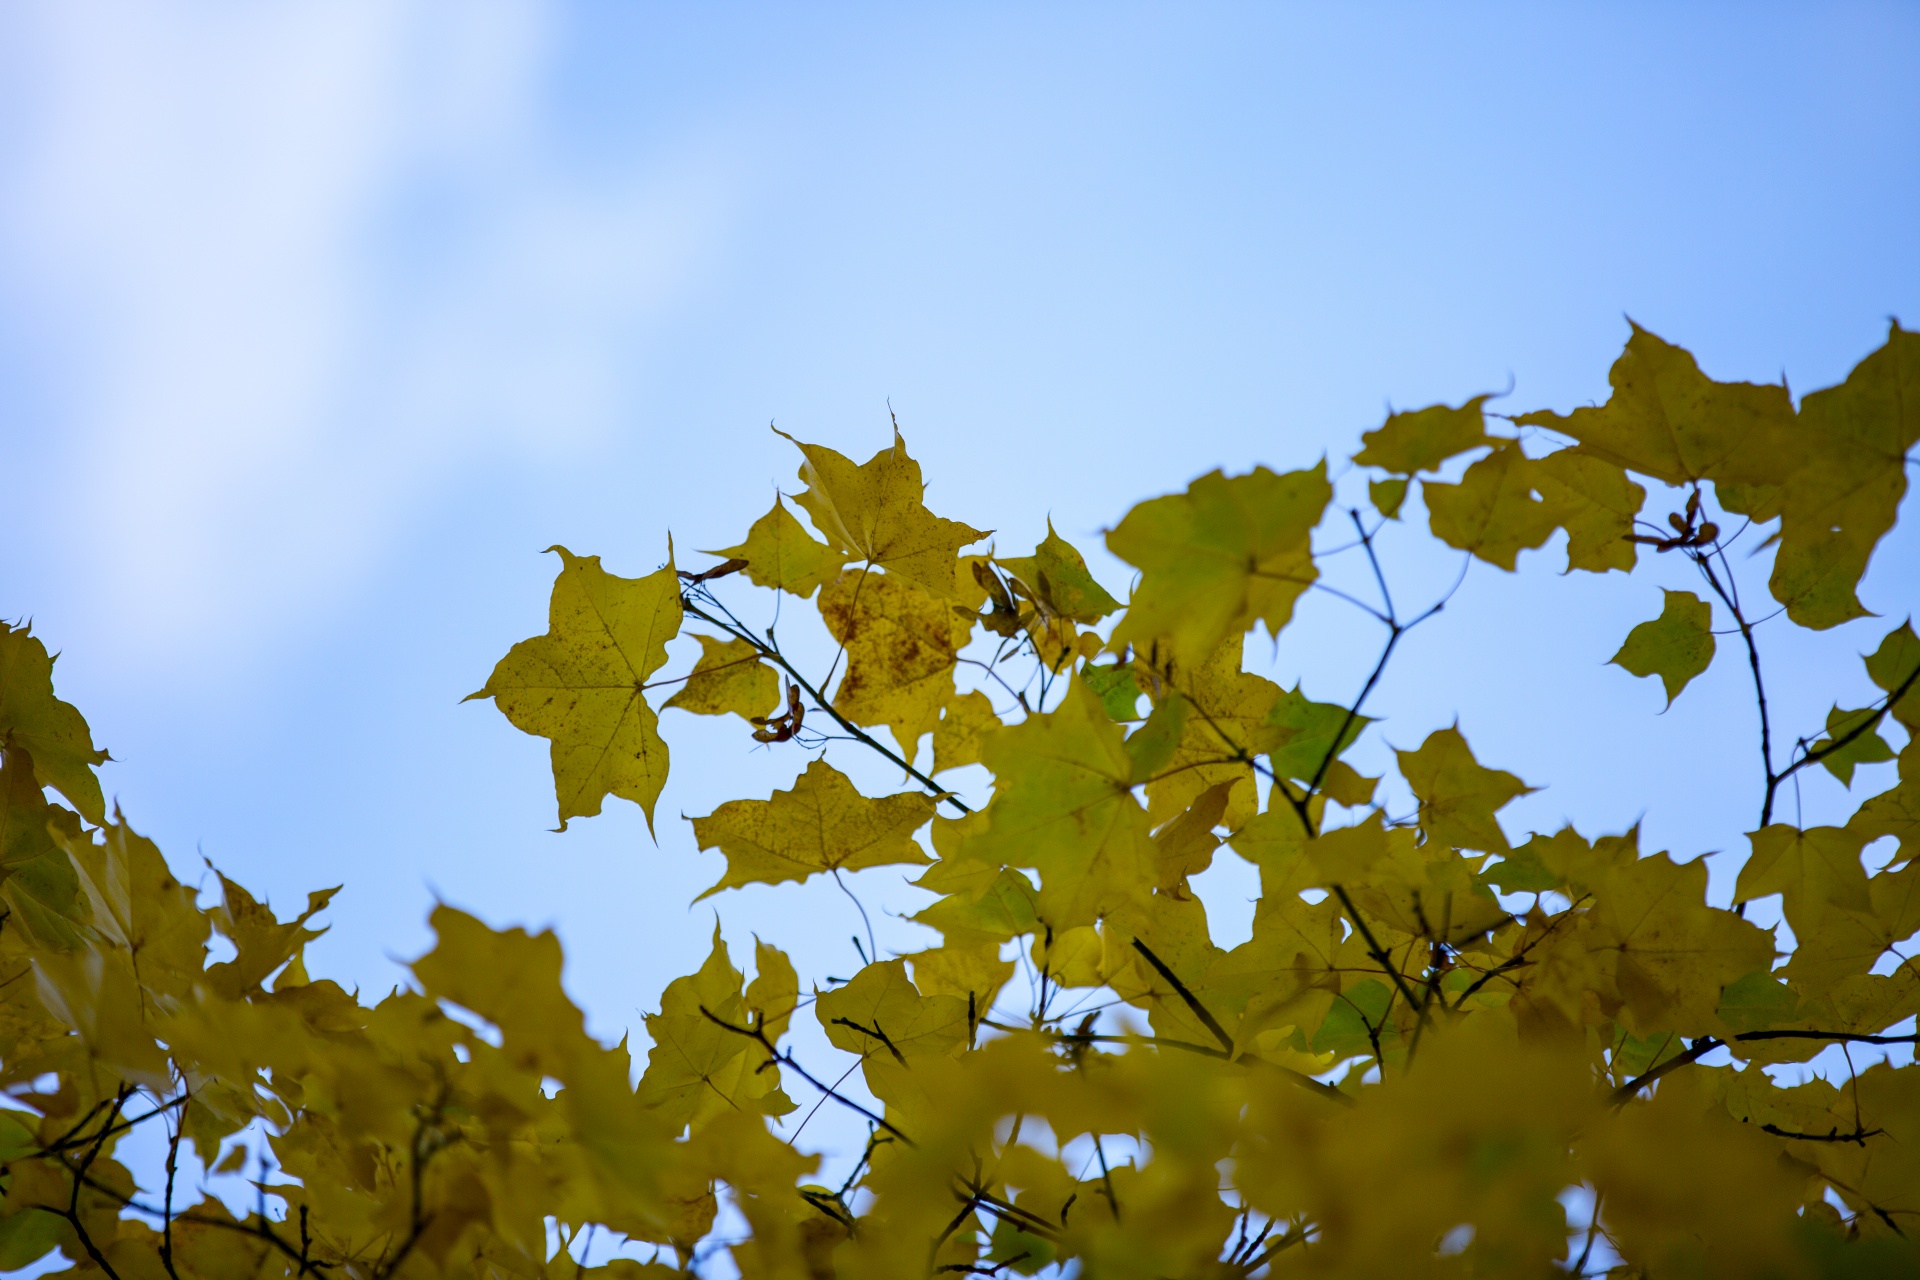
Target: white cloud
<point>301,257</point>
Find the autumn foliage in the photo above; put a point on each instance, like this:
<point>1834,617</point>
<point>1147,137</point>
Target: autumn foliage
<point>1438,1038</point>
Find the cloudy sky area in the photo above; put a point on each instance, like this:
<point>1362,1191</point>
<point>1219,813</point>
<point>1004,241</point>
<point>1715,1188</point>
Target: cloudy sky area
<point>318,321</point>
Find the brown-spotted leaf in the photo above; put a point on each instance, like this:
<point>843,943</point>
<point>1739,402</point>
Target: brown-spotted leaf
<point>901,646</point>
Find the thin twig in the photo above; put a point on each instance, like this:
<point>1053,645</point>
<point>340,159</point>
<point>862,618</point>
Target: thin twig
<point>787,1060</point>
<point>772,652</point>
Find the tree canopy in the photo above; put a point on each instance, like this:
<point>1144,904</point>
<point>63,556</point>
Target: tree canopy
<point>1439,1040</point>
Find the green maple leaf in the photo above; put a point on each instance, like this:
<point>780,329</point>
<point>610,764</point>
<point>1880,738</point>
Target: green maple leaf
<point>1117,687</point>
<point>1868,748</point>
<point>1063,804</point>
<point>1676,646</point>
<point>1301,734</point>
<point>580,685</point>
<point>1891,666</point>
<point>1227,553</point>
<point>52,732</point>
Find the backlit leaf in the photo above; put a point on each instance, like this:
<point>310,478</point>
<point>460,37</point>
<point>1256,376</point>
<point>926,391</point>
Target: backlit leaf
<point>580,684</point>
<point>47,729</point>
<point>1493,512</point>
<point>956,739</point>
<point>875,512</point>
<point>1423,439</point>
<point>1676,646</point>
<point>780,553</point>
<point>729,677</point>
<point>901,645</point>
<point>1865,746</point>
<point>1227,553</point>
<point>1058,572</point>
<point>1458,796</point>
<point>1893,665</point>
<point>821,825</point>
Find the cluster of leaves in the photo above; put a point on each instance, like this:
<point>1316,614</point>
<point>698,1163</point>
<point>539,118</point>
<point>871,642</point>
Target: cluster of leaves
<point>1433,1035</point>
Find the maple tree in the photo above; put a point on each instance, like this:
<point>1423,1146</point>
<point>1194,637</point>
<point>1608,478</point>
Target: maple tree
<point>1434,1034</point>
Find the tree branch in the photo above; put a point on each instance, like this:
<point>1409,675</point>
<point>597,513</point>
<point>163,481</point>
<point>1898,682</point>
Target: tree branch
<point>773,653</point>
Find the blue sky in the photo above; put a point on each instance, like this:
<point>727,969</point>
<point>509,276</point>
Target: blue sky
<point>318,321</point>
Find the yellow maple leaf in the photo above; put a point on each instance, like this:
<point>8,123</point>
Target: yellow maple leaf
<point>512,979</point>
<point>1811,870</point>
<point>1458,795</point>
<point>822,825</point>
<point>581,684</point>
<point>1844,487</point>
<point>698,1069</point>
<point>780,553</point>
<point>882,1012</point>
<point>1423,439</point>
<point>730,677</point>
<point>1595,502</point>
<point>1493,512</point>
<point>876,512</point>
<point>50,731</point>
<point>1671,952</point>
<point>1225,716</point>
<point>1667,420</point>
<point>963,722</point>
